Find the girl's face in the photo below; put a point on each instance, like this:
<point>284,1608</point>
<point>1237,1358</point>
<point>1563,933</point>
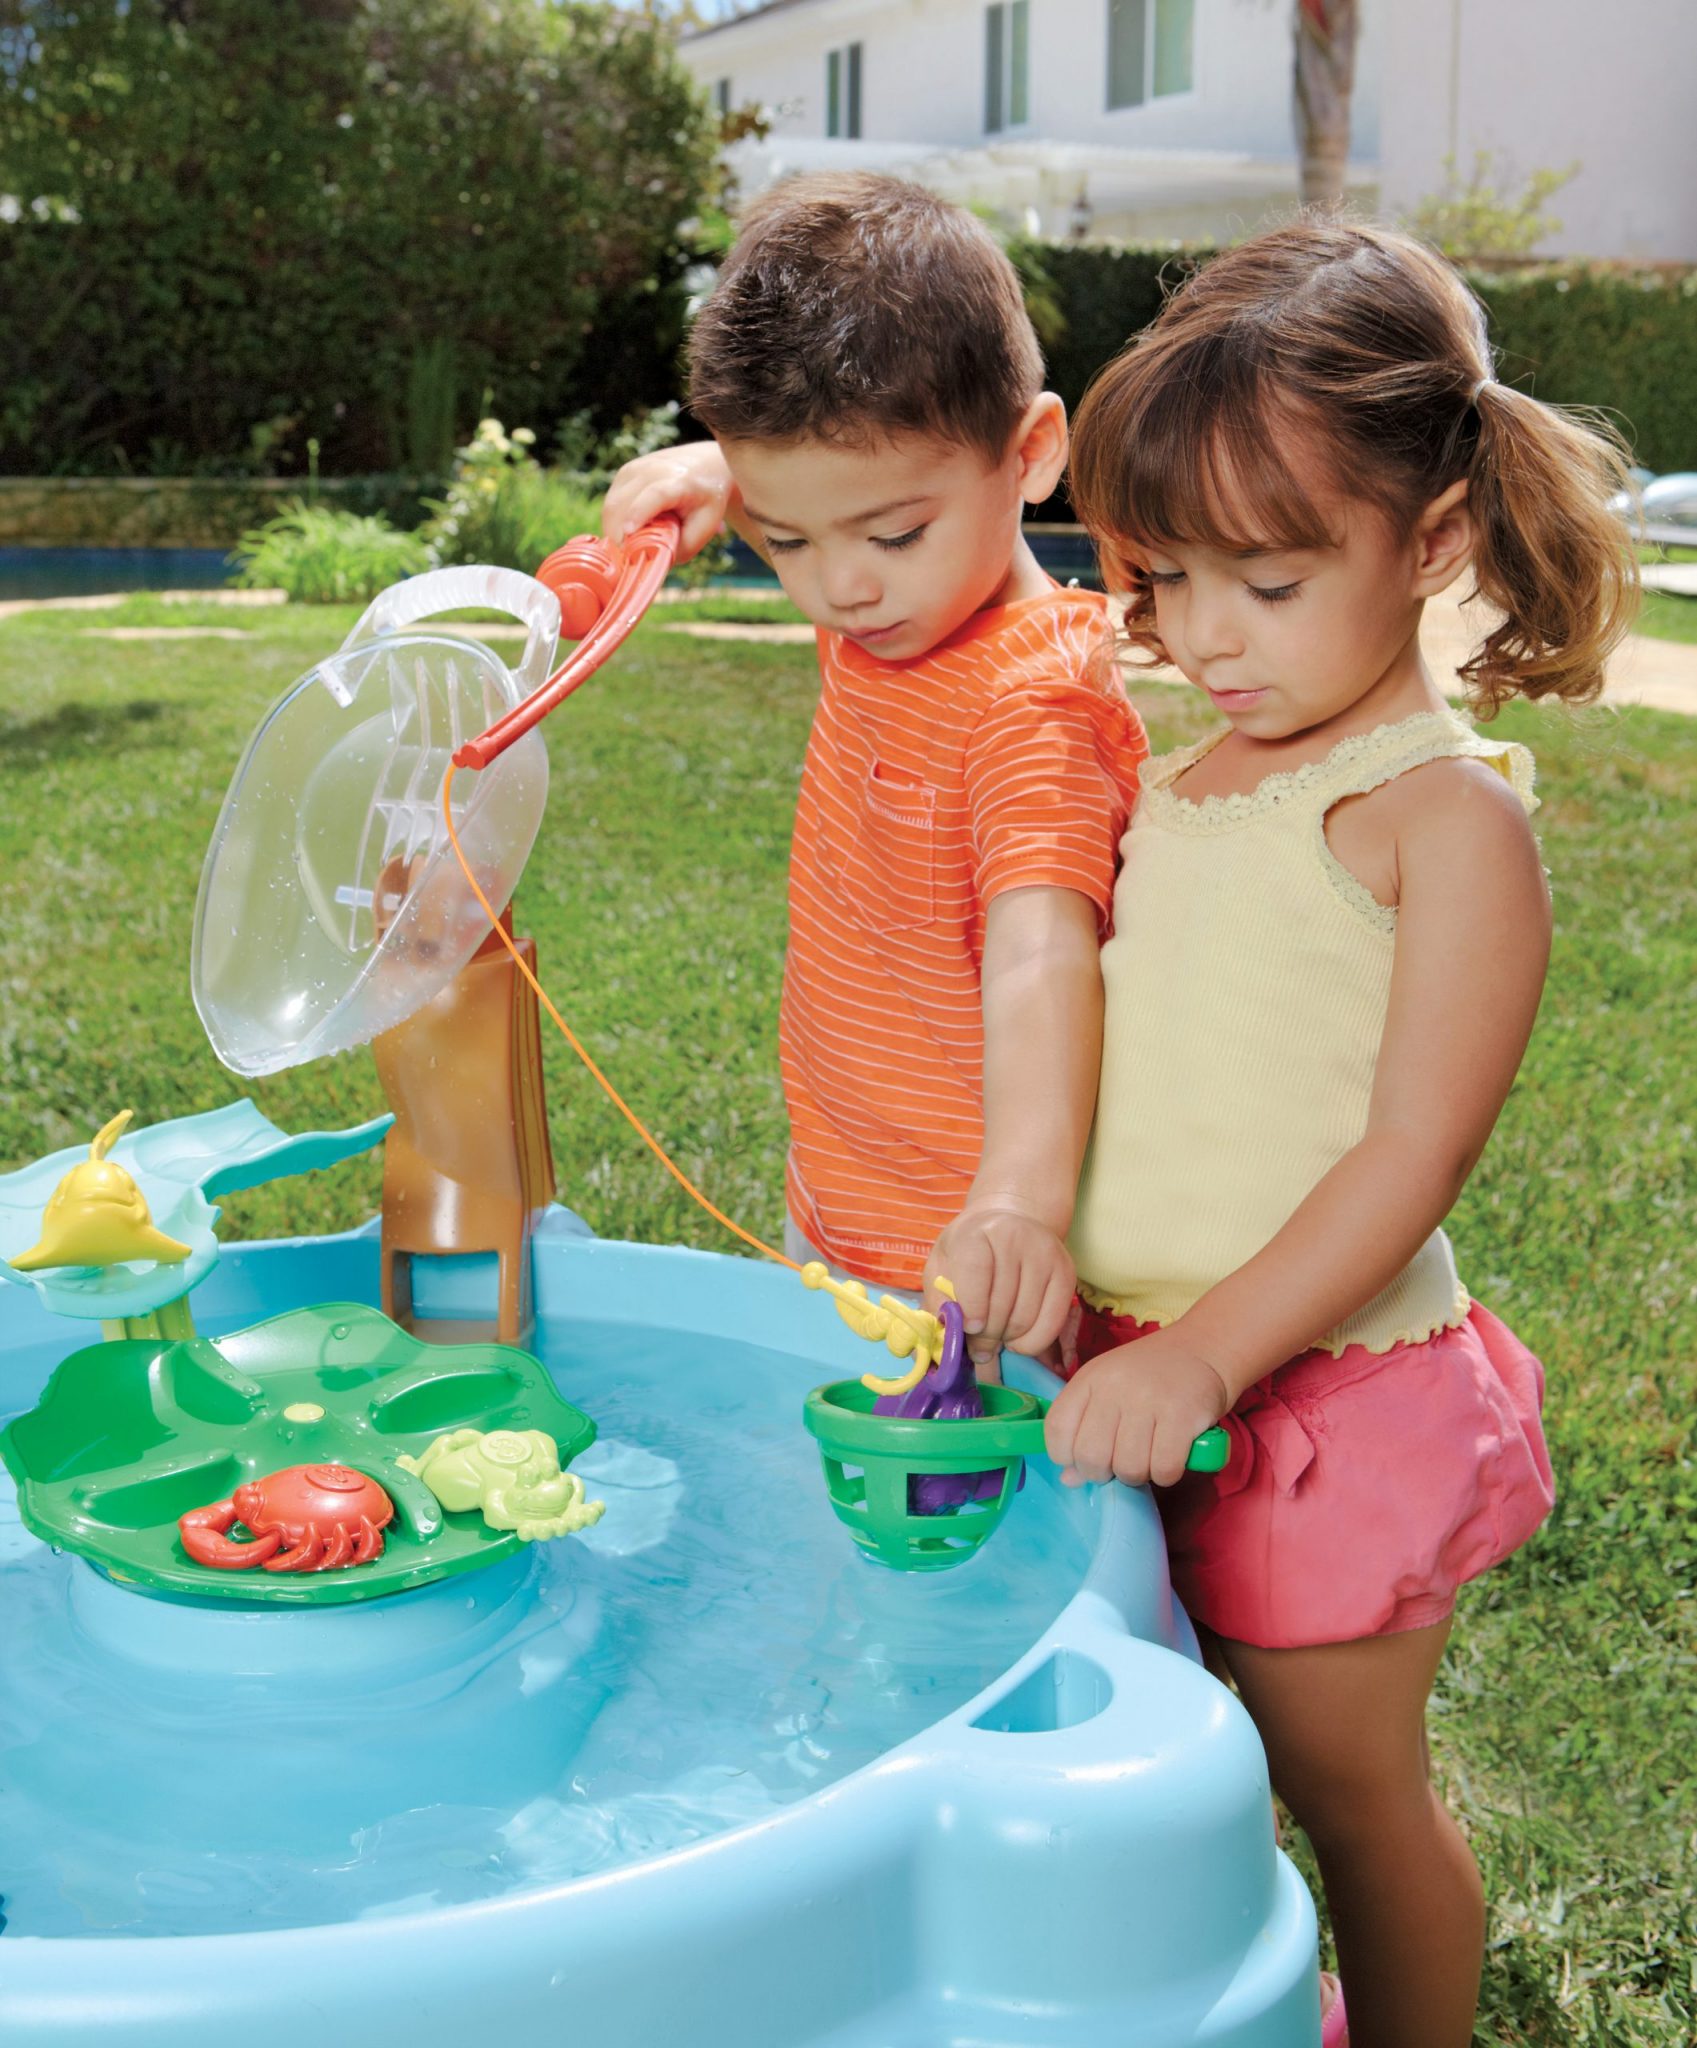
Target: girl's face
<point>1285,639</point>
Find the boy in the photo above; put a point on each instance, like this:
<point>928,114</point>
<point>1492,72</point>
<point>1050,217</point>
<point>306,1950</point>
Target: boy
<point>874,390</point>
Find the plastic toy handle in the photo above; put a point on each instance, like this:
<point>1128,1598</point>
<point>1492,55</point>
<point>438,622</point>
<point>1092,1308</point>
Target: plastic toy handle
<point>579,573</point>
<point>525,598</point>
<point>1211,1451</point>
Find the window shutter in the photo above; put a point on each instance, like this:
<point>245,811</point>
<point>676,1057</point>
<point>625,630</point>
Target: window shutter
<point>1128,29</point>
<point>1019,68</point>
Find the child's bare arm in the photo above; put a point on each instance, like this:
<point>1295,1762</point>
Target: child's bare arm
<point>1005,1253</point>
<point>1473,931</point>
<point>693,481</point>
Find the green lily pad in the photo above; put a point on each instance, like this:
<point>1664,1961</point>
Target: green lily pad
<point>129,1435</point>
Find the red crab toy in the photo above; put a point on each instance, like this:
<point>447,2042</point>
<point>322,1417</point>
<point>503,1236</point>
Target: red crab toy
<point>308,1518</point>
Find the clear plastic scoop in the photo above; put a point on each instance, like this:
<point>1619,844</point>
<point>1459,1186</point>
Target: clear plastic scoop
<point>331,904</point>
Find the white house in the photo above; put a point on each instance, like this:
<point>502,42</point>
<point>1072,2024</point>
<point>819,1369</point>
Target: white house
<point>1544,84</point>
<point>1146,120</point>
<point>1150,120</point>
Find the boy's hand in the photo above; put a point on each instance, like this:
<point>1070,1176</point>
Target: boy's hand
<point>1133,1413</point>
<point>691,481</point>
<point>1013,1277</point>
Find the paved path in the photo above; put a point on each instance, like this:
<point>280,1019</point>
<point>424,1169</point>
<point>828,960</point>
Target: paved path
<point>1662,673</point>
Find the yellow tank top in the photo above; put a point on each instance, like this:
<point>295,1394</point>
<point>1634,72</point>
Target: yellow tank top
<point>1247,979</point>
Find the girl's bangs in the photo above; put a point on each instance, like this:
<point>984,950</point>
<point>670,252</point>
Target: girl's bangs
<point>1213,465</point>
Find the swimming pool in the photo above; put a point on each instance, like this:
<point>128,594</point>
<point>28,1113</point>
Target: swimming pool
<point>93,572</point>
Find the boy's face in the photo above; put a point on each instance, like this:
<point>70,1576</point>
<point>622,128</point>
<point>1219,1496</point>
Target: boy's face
<point>892,545</point>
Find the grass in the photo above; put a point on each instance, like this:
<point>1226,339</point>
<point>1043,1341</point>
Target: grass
<point>734,608</point>
<point>1667,616</point>
<point>322,555</point>
<point>1566,1717</point>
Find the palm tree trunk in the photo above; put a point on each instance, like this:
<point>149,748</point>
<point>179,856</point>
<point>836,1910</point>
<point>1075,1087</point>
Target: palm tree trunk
<point>1325,75</point>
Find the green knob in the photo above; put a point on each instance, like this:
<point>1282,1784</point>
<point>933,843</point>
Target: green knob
<point>1211,1451</point>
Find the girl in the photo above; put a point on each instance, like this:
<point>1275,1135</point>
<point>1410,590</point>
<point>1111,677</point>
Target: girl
<point>1330,936</point>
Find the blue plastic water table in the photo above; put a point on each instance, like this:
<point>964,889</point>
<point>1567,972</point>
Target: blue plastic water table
<point>702,1773</point>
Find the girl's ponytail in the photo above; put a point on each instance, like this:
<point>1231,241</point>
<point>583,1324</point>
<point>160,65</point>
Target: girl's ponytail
<point>1551,555</point>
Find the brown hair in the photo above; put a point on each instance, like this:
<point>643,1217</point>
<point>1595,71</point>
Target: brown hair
<point>855,306</point>
<point>1366,347</point>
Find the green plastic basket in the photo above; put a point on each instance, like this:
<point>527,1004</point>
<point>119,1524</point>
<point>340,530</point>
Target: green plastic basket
<point>869,1459</point>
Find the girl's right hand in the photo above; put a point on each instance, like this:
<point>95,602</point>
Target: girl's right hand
<point>692,482</point>
<point>1133,1413</point>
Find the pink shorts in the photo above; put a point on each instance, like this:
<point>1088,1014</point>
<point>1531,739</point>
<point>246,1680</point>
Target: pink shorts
<point>1362,1490</point>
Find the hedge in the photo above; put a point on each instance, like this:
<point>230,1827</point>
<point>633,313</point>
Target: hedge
<point>1592,337</point>
<point>230,230</point>
<point>1571,334</point>
<point>187,512</point>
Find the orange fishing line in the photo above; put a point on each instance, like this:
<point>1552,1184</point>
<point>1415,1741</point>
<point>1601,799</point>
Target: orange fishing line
<point>571,1038</point>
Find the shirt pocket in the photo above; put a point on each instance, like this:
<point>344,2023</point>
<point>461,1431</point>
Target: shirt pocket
<point>889,868</point>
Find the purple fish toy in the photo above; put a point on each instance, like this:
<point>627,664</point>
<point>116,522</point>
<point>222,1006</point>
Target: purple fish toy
<point>947,1393</point>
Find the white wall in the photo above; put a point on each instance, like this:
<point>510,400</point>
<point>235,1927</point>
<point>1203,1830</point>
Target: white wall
<point>1540,83</point>
<point>923,73</point>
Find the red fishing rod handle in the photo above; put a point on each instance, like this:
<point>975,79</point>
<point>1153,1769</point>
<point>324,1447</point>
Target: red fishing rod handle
<point>603,592</point>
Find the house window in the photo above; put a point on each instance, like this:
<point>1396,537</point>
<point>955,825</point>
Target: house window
<point>842,92</point>
<point>1151,50</point>
<point>1007,65</point>
<point>722,96</point>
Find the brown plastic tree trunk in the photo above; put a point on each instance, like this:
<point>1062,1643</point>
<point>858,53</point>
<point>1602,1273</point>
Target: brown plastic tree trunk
<point>1324,79</point>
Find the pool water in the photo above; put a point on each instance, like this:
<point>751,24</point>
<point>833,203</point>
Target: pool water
<point>94,572</point>
<point>36,573</point>
<point>711,1652</point>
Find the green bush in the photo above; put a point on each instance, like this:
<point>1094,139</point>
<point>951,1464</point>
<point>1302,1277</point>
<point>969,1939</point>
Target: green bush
<point>504,507</point>
<point>324,557</point>
<point>1572,334</point>
<point>239,228</point>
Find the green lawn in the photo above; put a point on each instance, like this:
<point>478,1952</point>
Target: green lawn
<point>1567,1718</point>
<point>1668,616</point>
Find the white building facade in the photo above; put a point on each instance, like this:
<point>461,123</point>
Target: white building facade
<point>1157,120</point>
<point>1542,85</point>
<point>1140,119</point>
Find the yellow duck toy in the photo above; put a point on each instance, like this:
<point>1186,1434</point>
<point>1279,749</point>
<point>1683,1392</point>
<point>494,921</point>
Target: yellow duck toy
<point>97,1216</point>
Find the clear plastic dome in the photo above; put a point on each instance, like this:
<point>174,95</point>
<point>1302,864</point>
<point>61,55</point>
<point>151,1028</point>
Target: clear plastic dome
<point>331,904</point>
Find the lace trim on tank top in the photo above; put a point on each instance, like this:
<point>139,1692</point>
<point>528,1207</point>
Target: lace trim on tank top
<point>1361,762</point>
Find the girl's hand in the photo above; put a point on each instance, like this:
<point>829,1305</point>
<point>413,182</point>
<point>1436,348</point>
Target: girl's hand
<point>691,481</point>
<point>1013,1277</point>
<point>1133,1413</point>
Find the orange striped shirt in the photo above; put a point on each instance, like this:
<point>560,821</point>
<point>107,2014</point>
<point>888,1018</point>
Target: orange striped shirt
<point>1006,758</point>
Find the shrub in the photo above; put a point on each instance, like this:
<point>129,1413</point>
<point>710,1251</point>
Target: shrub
<point>320,556</point>
<point>1479,221</point>
<point>1576,334</point>
<point>504,507</point>
<point>227,217</point>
